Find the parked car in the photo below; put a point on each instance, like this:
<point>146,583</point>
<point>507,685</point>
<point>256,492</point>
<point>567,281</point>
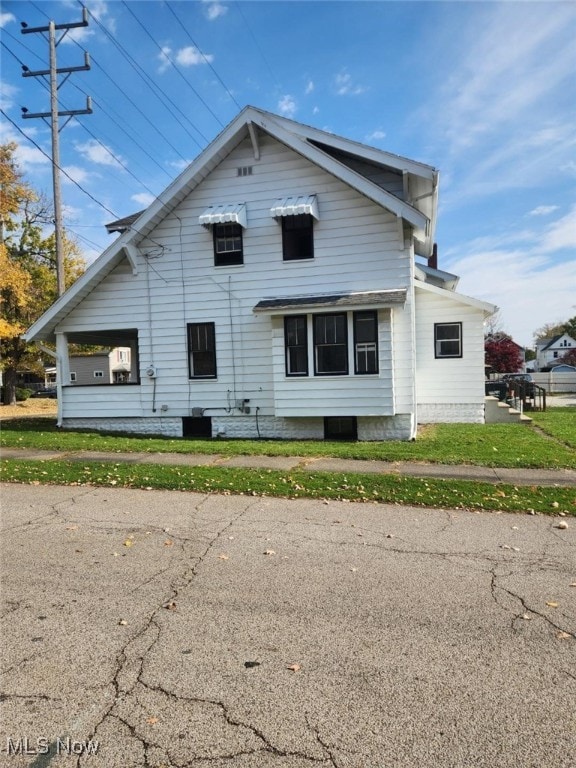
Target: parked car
<point>46,392</point>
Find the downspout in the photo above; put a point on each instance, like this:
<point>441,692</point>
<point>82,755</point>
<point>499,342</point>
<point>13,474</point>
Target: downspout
<point>58,360</point>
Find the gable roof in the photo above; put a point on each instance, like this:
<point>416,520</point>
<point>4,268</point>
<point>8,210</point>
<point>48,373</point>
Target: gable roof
<point>554,340</point>
<point>319,147</point>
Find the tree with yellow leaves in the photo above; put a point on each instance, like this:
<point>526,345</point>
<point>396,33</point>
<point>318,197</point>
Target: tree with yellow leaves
<point>28,283</point>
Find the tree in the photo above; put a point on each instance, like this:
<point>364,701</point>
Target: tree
<point>548,330</point>
<point>28,283</point>
<point>502,354</point>
<point>569,358</point>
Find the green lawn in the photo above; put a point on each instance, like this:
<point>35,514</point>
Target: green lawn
<point>501,445</point>
<point>328,486</point>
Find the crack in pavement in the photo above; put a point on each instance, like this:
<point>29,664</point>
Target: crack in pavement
<point>526,608</point>
<point>132,669</point>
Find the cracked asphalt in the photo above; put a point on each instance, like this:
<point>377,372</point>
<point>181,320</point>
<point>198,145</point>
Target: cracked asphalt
<point>180,629</point>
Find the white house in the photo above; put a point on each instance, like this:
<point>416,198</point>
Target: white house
<point>549,351</point>
<point>285,285</point>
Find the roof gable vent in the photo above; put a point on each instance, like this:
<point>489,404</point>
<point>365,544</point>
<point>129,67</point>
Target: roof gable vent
<point>246,170</point>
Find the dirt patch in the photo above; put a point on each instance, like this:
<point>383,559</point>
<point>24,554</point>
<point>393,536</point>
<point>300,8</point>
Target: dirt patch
<point>35,406</point>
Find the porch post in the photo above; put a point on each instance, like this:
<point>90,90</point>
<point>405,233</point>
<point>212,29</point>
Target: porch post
<point>62,370</point>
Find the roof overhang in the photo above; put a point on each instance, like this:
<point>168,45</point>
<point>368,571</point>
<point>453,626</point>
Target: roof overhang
<point>484,306</point>
<point>319,302</point>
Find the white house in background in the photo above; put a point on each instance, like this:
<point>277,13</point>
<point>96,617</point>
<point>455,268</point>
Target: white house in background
<point>285,285</point>
<point>549,351</point>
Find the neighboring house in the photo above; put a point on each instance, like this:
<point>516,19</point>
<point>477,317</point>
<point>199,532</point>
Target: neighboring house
<point>550,351</point>
<point>109,367</point>
<point>285,285</point>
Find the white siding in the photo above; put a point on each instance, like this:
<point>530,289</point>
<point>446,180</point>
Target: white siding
<point>356,247</point>
<point>449,389</point>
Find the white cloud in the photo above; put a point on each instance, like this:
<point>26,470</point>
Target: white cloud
<point>376,136</point>
<point>523,273</point>
<point>346,87</point>
<point>309,87</point>
<point>543,210</point>
<point>99,153</point>
<point>7,94</point>
<point>73,173</point>
<point>143,198</point>
<point>214,9</point>
<point>6,18</point>
<point>190,56</point>
<point>561,234</point>
<point>184,57</point>
<point>179,165</point>
<point>287,106</point>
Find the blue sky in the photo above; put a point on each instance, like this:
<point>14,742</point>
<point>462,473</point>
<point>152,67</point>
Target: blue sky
<point>483,91</point>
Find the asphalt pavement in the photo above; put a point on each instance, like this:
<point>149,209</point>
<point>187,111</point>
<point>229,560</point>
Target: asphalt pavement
<point>150,629</point>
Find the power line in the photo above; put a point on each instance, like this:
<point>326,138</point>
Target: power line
<point>177,69</point>
<point>187,32</point>
<point>39,148</point>
<point>158,91</point>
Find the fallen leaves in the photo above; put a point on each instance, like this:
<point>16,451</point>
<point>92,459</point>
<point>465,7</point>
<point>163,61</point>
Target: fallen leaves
<point>223,556</point>
<point>563,525</point>
<point>294,667</point>
<point>269,552</point>
<point>552,604</point>
<point>152,720</point>
<point>563,635</point>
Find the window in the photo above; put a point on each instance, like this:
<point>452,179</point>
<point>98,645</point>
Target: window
<point>448,339</point>
<point>201,351</point>
<point>228,245</point>
<point>365,342</point>
<point>98,374</point>
<point>296,345</point>
<point>330,344</point>
<point>72,376</point>
<point>340,428</point>
<point>297,237</point>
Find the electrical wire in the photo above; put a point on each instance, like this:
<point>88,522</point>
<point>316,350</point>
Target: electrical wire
<point>208,62</point>
<point>176,68</point>
<point>39,148</point>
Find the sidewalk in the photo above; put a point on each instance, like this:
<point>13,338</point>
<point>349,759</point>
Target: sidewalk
<point>561,477</point>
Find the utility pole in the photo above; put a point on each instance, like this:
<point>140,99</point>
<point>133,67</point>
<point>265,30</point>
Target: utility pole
<point>55,116</point>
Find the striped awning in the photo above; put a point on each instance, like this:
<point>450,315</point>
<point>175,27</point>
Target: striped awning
<point>295,206</point>
<point>229,213</point>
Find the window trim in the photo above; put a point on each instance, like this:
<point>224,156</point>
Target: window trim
<point>373,313</point>
<point>437,341</point>
<point>98,374</point>
<point>191,374</point>
<point>316,345</point>
<point>72,377</point>
<point>233,258</point>
<point>293,218</point>
<point>287,347</point>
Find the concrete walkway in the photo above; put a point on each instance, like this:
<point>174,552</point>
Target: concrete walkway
<point>560,477</point>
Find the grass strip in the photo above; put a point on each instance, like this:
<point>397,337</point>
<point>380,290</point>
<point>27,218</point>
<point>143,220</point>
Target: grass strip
<point>389,489</point>
<point>490,445</point>
<point>559,423</point>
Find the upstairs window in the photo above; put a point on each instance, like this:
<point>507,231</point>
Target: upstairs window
<point>365,342</point>
<point>297,237</point>
<point>447,340</point>
<point>296,345</point>
<point>228,249</point>
<point>331,344</point>
<point>201,351</point>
